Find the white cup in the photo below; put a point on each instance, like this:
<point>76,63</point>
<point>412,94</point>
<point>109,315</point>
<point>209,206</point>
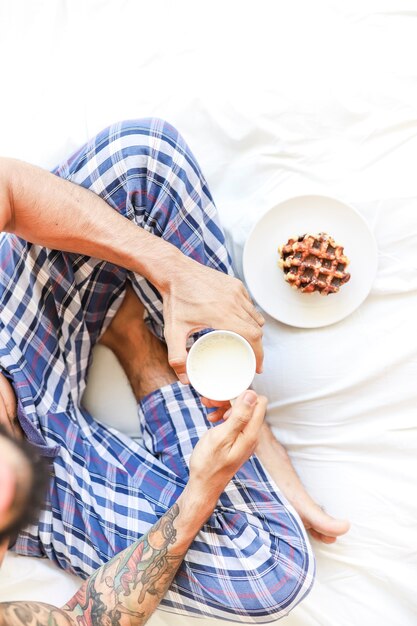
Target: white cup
<point>221,365</point>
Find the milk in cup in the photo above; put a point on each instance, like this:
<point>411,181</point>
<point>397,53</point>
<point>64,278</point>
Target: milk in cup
<point>221,365</point>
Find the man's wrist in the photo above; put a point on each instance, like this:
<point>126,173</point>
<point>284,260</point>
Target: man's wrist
<point>165,269</point>
<point>196,504</point>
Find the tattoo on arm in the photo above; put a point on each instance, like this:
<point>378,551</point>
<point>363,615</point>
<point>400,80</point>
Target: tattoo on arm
<point>126,590</point>
<point>32,614</point>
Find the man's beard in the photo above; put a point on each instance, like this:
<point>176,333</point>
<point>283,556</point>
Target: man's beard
<point>39,473</point>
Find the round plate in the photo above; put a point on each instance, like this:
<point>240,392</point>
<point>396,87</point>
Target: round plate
<point>295,217</point>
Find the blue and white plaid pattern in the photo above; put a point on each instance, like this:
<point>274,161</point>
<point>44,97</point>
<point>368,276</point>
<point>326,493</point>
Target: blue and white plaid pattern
<point>251,562</point>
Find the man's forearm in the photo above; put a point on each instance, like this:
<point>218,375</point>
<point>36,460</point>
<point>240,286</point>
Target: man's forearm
<point>58,214</point>
<point>127,589</point>
<point>130,586</point>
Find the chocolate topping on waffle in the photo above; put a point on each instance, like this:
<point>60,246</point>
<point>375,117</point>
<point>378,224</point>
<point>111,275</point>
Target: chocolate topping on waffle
<point>314,263</point>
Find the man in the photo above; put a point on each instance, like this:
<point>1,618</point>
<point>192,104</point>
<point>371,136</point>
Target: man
<point>165,275</point>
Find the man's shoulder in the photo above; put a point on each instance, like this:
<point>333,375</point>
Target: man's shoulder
<point>32,614</point>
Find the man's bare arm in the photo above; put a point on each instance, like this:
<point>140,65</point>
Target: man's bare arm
<point>45,209</point>
<point>58,214</point>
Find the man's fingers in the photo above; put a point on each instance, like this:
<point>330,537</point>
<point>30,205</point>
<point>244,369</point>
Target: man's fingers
<point>246,293</point>
<point>244,423</point>
<point>176,339</point>
<point>254,313</point>
<point>241,413</point>
<point>250,327</point>
<point>253,334</point>
<point>223,413</point>
<point>215,416</point>
<point>214,404</point>
<point>221,406</point>
<point>258,317</point>
<point>253,426</point>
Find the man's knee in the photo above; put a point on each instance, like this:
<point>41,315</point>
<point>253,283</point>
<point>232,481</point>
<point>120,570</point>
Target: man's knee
<point>276,593</point>
<point>267,586</point>
<point>149,131</point>
<point>151,153</point>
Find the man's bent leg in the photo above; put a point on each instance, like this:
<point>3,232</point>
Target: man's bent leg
<point>145,170</point>
<point>252,560</point>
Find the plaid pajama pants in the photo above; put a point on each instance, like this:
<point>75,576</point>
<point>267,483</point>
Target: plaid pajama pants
<point>251,562</point>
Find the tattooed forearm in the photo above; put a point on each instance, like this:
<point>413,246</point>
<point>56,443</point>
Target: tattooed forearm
<point>127,589</point>
<point>32,614</point>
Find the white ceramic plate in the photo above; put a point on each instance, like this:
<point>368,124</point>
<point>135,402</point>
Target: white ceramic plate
<point>295,217</point>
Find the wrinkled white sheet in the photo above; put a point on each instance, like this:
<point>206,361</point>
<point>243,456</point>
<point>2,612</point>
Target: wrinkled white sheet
<point>275,99</point>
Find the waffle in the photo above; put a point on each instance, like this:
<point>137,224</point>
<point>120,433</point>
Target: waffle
<point>314,263</point>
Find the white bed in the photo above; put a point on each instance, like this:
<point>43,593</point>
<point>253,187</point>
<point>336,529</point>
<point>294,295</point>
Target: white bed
<point>275,99</point>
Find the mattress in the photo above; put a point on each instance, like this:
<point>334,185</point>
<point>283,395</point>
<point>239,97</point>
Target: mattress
<point>275,100</point>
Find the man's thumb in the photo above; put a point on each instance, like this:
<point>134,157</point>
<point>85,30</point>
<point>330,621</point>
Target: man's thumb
<point>177,352</point>
<point>242,411</point>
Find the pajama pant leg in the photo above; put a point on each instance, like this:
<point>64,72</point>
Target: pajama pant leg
<point>251,562</point>
<point>146,171</point>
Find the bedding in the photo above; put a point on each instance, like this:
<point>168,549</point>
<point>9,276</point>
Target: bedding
<point>275,100</point>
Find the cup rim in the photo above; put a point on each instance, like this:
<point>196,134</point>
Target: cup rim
<point>232,333</point>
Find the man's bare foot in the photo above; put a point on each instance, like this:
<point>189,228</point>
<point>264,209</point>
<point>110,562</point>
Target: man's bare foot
<point>143,357</point>
<point>275,459</point>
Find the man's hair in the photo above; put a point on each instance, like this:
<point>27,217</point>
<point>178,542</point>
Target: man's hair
<point>28,512</point>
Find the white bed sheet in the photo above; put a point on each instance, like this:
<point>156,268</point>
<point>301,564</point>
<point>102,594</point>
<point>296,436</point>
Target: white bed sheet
<point>275,99</point>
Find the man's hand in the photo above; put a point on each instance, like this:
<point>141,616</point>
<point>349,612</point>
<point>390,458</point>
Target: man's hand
<point>224,449</point>
<point>8,408</point>
<point>199,297</point>
<point>222,409</point>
